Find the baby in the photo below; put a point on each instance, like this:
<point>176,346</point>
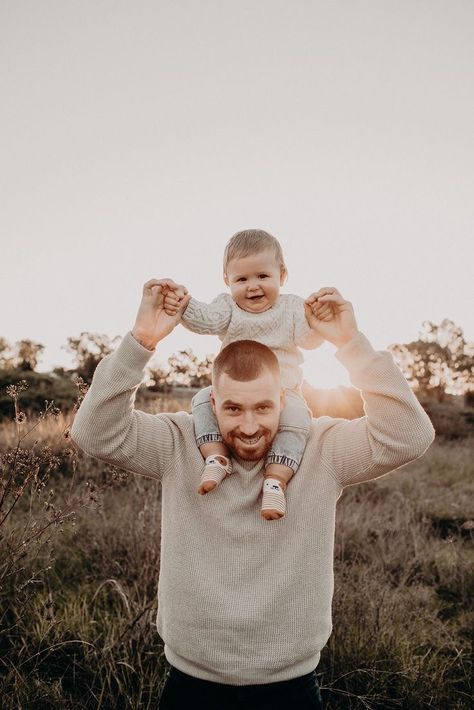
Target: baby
<point>254,271</point>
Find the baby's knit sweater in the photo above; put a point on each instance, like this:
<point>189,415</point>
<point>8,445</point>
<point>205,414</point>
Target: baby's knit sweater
<point>243,600</point>
<point>283,328</point>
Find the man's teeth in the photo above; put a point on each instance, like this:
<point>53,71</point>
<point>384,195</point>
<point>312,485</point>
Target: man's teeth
<point>250,441</point>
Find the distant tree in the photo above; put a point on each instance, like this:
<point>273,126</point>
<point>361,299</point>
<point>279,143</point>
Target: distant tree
<point>202,377</point>
<point>159,378</point>
<point>186,369</point>
<point>88,350</point>
<point>27,354</point>
<point>439,362</point>
<point>6,360</point>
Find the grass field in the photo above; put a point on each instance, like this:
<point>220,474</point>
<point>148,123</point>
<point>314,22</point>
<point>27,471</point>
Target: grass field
<point>81,634</point>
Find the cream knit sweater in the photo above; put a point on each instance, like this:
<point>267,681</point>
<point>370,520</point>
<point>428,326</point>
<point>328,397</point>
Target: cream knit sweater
<point>242,600</point>
<point>283,328</point>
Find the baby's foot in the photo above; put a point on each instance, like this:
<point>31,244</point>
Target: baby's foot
<point>273,500</point>
<point>216,469</point>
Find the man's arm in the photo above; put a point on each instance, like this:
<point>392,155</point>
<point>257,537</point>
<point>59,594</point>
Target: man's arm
<point>395,429</point>
<point>107,426</point>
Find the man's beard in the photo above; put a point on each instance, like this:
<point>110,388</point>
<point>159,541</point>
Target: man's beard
<point>252,451</point>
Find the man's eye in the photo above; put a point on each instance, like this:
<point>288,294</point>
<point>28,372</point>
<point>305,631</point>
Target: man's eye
<point>264,408</point>
<point>232,409</point>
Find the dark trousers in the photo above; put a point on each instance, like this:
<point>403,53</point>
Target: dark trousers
<point>182,691</point>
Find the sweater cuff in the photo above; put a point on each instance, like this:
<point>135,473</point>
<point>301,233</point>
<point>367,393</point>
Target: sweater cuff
<point>189,312</point>
<point>357,353</point>
<point>132,354</point>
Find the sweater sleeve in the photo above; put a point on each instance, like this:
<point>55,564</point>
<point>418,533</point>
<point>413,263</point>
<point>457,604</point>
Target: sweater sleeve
<point>395,429</point>
<point>208,318</point>
<point>305,337</point>
<point>108,427</point>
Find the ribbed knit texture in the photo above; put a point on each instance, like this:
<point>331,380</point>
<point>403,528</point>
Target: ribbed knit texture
<point>283,328</point>
<point>243,600</point>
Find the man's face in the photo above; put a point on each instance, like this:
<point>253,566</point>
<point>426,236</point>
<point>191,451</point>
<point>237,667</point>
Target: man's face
<point>248,413</point>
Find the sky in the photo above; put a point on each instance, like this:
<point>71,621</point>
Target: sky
<point>136,138</point>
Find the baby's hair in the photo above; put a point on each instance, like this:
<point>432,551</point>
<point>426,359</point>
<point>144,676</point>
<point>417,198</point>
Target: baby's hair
<point>244,360</point>
<point>253,241</point>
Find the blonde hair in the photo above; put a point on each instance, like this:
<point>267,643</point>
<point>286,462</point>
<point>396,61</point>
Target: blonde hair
<point>253,241</point>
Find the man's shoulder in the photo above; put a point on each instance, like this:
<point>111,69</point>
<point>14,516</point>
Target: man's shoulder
<point>180,421</point>
<point>320,425</point>
<point>320,429</point>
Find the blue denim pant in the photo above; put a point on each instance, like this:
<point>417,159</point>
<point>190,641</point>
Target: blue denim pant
<point>288,445</point>
<point>183,691</point>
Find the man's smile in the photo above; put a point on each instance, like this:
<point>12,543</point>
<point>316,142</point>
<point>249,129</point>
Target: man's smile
<point>249,441</point>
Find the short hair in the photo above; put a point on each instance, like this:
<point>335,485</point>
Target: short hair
<point>244,360</point>
<point>253,241</point>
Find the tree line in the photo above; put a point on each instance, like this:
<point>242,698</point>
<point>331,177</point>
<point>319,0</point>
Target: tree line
<point>184,368</point>
<point>439,362</point>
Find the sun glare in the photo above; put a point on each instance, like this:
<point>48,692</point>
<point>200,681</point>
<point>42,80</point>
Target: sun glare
<point>322,370</point>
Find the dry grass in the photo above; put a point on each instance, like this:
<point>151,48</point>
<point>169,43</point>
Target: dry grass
<point>403,617</point>
<point>82,634</point>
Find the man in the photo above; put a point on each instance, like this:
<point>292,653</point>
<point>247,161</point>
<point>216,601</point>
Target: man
<point>244,604</point>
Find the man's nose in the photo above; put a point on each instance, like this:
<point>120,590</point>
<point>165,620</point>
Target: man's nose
<point>249,425</point>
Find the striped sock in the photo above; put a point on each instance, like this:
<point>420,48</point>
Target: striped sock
<point>273,500</point>
<point>216,468</point>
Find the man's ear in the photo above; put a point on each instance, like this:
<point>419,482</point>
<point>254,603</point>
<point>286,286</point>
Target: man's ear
<point>282,399</point>
<point>213,401</point>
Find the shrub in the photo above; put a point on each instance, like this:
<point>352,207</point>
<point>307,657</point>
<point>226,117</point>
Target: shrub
<point>40,387</point>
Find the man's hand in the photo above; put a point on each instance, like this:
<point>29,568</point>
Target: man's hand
<point>340,326</point>
<point>153,323</point>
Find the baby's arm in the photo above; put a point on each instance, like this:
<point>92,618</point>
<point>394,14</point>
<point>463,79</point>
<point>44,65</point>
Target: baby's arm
<point>305,337</point>
<point>204,318</point>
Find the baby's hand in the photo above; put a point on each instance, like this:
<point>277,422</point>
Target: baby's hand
<point>173,298</point>
<point>322,311</point>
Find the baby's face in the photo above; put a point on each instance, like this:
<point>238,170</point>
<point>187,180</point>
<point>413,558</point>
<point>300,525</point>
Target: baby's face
<point>255,281</point>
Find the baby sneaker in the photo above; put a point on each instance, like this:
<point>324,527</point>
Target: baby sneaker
<point>215,470</point>
<point>273,500</point>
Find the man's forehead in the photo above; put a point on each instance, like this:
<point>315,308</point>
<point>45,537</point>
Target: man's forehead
<point>265,386</point>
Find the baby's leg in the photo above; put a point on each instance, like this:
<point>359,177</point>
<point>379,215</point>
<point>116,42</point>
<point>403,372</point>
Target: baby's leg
<point>215,453</point>
<point>276,478</point>
<point>285,455</point>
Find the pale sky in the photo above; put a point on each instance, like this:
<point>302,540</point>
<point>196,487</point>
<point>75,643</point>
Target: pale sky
<point>137,137</point>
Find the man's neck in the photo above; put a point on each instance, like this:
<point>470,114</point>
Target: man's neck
<point>248,465</point>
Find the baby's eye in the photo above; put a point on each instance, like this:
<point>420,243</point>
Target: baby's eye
<point>242,278</point>
<point>263,276</point>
